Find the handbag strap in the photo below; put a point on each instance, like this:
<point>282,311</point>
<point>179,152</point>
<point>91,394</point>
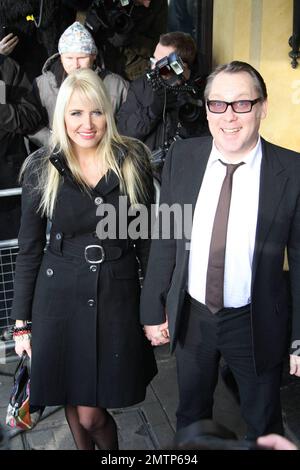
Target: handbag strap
<point>22,363</point>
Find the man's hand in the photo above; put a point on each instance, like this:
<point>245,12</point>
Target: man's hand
<point>295,365</point>
<point>8,43</point>
<point>275,442</point>
<point>157,334</point>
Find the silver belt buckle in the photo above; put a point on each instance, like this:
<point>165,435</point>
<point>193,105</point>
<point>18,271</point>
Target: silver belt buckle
<point>102,252</point>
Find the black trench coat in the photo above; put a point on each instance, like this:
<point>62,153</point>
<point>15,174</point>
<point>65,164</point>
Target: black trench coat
<point>88,347</point>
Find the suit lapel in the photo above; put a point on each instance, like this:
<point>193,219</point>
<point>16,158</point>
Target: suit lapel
<point>192,184</point>
<point>273,181</point>
<point>196,169</point>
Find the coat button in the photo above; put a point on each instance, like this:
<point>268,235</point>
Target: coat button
<point>91,302</point>
<point>49,272</point>
<point>98,200</point>
<point>58,236</point>
<point>93,268</point>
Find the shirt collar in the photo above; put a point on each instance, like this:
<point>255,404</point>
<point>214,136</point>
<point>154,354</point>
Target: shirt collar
<point>250,158</point>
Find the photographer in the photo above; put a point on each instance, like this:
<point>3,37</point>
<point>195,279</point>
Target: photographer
<point>127,32</point>
<point>158,116</point>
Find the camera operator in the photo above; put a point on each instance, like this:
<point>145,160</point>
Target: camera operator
<point>165,107</point>
<point>127,32</point>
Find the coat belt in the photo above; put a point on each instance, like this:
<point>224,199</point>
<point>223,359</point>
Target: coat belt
<point>93,254</point>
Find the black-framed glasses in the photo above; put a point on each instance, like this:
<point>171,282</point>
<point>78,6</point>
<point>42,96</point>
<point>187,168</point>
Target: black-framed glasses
<point>240,106</point>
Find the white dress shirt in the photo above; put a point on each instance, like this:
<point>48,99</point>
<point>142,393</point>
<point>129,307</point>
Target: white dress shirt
<point>240,232</point>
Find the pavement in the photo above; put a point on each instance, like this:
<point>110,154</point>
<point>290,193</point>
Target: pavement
<point>151,424</point>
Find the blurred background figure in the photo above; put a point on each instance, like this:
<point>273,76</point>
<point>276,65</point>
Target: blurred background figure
<point>127,32</point>
<point>35,26</point>
<point>77,50</point>
<point>181,16</point>
<point>20,114</point>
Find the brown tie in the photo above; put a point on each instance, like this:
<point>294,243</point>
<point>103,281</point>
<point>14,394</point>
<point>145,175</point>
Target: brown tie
<point>214,297</point>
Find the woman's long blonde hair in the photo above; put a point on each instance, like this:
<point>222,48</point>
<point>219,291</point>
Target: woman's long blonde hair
<point>134,170</point>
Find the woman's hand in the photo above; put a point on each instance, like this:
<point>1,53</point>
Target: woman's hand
<point>23,344</point>
<point>22,338</point>
<point>157,334</point>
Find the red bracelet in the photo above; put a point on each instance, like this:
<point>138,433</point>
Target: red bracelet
<point>21,333</point>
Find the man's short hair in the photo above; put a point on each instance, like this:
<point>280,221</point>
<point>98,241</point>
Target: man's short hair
<point>183,44</point>
<point>236,67</point>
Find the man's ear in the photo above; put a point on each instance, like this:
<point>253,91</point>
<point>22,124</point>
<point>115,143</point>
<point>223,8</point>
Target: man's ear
<point>264,109</point>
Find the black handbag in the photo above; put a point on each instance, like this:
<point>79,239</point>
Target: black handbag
<point>19,412</point>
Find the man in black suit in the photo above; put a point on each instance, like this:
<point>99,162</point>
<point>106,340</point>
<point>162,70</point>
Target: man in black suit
<point>219,288</point>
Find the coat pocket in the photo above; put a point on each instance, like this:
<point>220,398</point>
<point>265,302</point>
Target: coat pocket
<point>55,290</point>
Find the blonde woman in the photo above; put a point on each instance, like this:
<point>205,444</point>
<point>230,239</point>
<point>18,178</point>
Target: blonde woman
<point>82,294</point>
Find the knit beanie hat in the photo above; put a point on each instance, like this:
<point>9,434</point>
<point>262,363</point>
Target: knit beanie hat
<point>76,38</point>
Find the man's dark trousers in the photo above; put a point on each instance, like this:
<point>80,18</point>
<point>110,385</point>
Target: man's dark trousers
<point>203,338</point>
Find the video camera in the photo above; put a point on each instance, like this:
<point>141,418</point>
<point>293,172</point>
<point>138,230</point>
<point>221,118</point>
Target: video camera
<point>206,434</point>
<point>158,156</point>
<point>168,73</point>
<point>107,17</point>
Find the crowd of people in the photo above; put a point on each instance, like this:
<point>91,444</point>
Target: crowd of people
<point>81,134</point>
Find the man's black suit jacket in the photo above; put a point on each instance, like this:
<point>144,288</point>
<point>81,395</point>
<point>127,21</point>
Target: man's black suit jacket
<point>278,227</point>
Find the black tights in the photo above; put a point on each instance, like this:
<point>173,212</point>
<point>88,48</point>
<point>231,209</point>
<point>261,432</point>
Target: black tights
<point>92,426</point>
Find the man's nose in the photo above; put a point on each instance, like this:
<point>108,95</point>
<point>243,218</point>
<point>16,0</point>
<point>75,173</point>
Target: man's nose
<point>229,114</point>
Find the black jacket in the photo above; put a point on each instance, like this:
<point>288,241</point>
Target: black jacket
<point>278,227</point>
<point>141,116</point>
<point>87,344</point>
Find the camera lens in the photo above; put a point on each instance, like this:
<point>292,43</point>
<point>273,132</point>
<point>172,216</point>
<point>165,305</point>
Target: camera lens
<point>190,109</point>
<point>121,22</point>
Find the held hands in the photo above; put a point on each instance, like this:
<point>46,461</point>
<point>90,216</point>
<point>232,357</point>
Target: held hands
<point>295,365</point>
<point>157,334</point>
<point>8,43</point>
